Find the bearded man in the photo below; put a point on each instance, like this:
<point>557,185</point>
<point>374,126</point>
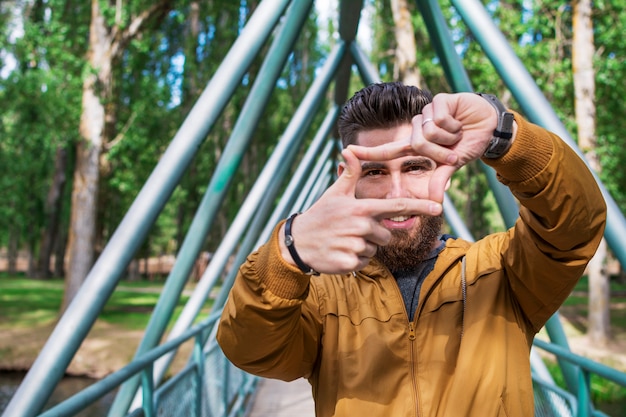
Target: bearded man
<point>363,296</point>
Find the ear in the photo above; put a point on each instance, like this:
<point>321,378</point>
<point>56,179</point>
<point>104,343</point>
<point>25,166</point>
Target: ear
<point>340,168</point>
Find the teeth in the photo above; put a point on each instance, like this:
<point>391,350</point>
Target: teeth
<point>399,218</point>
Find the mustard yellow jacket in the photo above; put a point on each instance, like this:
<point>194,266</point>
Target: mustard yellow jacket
<point>467,351</point>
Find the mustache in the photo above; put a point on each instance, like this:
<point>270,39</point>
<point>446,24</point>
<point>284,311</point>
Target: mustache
<point>409,247</point>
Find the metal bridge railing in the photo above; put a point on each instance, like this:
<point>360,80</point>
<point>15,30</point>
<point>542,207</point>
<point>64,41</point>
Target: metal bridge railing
<point>583,406</point>
<point>209,386</point>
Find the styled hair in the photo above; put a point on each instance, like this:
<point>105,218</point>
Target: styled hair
<point>380,106</point>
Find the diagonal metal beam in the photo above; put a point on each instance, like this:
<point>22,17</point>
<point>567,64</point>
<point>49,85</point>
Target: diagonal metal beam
<point>534,104</point>
<point>349,16</point>
<point>74,325</point>
<point>284,39</point>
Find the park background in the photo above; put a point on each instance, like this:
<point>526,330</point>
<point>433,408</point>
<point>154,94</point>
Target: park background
<point>91,94</point>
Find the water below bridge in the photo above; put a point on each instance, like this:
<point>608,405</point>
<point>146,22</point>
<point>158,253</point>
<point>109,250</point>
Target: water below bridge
<point>272,399</point>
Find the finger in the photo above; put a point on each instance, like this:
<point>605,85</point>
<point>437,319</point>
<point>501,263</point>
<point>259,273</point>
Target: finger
<point>372,248</point>
<point>442,111</point>
<point>392,150</point>
<point>346,183</point>
<point>377,236</point>
<point>438,153</point>
<point>369,248</point>
<point>428,139</point>
<point>380,209</point>
<point>439,181</point>
<point>435,131</point>
<point>385,152</point>
<point>362,263</point>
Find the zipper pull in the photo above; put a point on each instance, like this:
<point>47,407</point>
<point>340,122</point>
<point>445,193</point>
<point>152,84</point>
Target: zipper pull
<point>411,331</point>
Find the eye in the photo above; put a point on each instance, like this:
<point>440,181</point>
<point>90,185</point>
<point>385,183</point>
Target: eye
<point>419,166</point>
<point>373,172</point>
<point>416,168</point>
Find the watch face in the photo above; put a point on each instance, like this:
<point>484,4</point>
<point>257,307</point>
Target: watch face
<point>288,240</point>
<point>505,125</point>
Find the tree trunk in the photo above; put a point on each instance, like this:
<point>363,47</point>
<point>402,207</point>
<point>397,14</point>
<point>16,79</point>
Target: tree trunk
<point>406,69</point>
<point>88,150</point>
<point>97,127</point>
<point>134,272</point>
<point>192,88</point>
<point>13,250</point>
<point>54,203</point>
<point>599,316</point>
<point>583,50</point>
<point>60,245</point>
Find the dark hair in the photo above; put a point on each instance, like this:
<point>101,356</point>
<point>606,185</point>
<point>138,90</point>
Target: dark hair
<point>380,106</point>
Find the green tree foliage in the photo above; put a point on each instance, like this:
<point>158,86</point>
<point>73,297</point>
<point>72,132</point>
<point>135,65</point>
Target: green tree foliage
<point>40,108</point>
<point>157,80</point>
<point>540,32</point>
<point>161,74</point>
<point>610,64</point>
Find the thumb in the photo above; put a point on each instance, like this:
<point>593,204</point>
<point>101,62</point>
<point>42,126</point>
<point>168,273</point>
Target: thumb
<point>439,182</point>
<point>346,183</point>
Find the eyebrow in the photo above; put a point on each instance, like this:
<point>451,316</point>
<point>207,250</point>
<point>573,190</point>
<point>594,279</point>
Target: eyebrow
<point>418,160</point>
<point>372,165</point>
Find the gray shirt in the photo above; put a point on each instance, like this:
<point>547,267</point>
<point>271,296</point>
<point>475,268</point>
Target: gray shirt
<point>410,281</point>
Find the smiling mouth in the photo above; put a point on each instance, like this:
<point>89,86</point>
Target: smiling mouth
<point>400,219</point>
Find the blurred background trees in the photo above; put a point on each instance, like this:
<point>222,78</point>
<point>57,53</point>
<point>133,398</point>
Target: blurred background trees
<point>91,93</point>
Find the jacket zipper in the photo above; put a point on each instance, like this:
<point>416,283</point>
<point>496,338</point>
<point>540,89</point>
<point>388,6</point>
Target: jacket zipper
<point>411,333</point>
<point>413,364</point>
<point>412,337</point>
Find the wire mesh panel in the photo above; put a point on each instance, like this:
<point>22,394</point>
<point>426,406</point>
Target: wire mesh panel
<point>177,397</point>
<point>212,388</point>
<point>552,401</point>
<point>218,396</point>
<point>225,385</point>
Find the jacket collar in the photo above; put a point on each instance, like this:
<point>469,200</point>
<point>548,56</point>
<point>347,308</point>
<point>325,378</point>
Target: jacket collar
<point>454,250</point>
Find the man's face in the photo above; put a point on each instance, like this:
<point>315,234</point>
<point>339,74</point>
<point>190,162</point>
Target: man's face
<point>413,237</point>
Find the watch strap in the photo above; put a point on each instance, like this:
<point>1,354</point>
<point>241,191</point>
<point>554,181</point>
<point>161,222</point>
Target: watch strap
<point>501,140</point>
<point>289,242</point>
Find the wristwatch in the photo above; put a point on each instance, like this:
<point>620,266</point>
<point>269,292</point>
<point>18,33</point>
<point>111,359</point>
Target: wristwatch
<point>501,140</point>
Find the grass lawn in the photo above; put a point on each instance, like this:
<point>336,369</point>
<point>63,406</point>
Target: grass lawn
<point>576,306</point>
<point>26,302</point>
<point>29,310</point>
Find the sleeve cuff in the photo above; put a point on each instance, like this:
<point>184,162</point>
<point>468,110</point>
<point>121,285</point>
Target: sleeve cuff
<point>279,277</point>
<point>529,154</point>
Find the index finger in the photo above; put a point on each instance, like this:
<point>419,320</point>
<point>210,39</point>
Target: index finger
<point>392,150</point>
<point>385,152</point>
<point>381,208</point>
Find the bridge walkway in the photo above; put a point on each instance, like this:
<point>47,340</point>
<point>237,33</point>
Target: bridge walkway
<point>275,398</point>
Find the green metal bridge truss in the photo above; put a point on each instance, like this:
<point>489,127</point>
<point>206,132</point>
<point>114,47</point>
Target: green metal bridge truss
<point>209,385</point>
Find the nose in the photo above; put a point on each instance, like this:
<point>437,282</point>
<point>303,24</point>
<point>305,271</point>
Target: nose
<point>397,188</point>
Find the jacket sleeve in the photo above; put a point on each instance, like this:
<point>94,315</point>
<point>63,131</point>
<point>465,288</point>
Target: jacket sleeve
<point>267,328</point>
<point>561,220</point>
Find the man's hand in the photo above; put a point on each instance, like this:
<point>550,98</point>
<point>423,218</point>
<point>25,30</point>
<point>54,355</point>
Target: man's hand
<point>341,233</point>
<point>453,130</point>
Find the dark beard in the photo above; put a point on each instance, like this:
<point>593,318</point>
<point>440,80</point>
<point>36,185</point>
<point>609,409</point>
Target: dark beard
<point>408,248</point>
